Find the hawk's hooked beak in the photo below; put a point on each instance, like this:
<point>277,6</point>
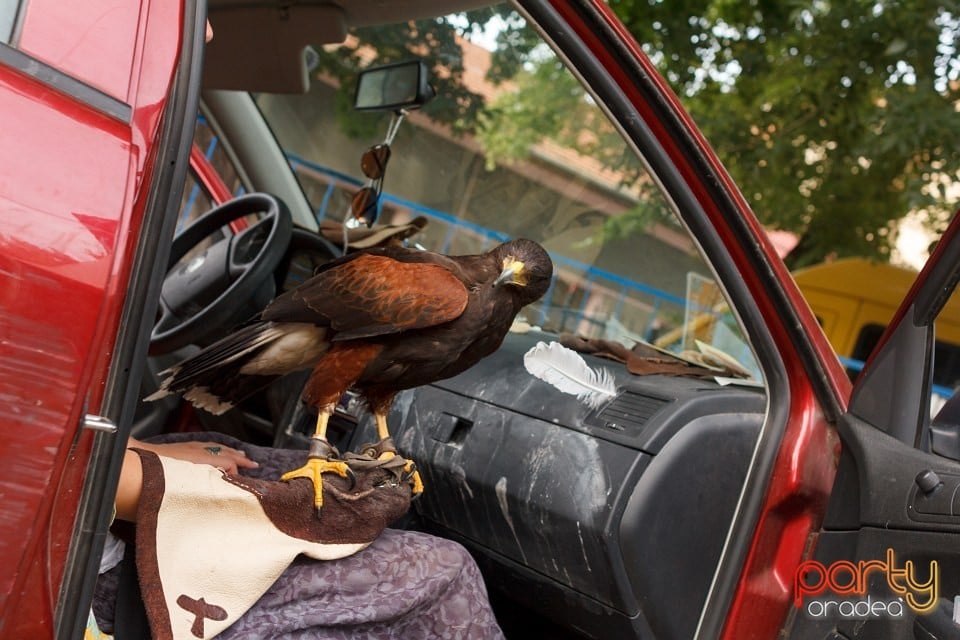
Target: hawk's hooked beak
<point>512,273</point>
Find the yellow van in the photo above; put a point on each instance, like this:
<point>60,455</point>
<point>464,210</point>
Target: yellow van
<point>854,299</point>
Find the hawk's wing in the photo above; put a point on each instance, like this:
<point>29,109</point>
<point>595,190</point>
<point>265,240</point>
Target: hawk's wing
<point>370,295</point>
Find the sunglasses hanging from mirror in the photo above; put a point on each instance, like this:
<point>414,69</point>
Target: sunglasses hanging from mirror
<point>396,87</point>
<point>366,205</point>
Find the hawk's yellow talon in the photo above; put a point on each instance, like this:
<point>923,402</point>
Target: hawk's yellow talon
<point>383,433</point>
<point>313,469</point>
<point>417,482</point>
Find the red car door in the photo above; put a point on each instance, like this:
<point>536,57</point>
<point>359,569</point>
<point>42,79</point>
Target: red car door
<point>96,125</point>
<point>888,557</point>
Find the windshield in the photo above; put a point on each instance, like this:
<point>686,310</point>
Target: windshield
<point>512,146</point>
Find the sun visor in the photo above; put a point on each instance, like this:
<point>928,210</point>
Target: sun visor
<point>257,48</point>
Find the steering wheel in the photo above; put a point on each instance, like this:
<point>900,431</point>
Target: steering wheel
<point>229,281</point>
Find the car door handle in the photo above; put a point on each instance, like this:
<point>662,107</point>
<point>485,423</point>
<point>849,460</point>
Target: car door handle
<point>99,423</point>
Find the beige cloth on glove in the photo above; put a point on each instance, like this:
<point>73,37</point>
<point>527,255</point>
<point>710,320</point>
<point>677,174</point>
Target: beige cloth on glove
<point>209,544</point>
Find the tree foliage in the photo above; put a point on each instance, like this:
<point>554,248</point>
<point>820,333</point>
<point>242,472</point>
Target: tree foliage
<point>836,117</point>
<point>432,40</point>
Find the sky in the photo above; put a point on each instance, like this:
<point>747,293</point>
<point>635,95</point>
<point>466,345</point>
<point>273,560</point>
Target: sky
<point>913,240</point>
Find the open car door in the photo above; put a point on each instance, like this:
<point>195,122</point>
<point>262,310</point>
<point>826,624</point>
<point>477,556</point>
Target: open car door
<point>887,561</point>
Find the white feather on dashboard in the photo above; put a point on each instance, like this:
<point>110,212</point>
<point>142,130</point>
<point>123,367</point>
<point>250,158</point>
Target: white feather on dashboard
<point>566,370</point>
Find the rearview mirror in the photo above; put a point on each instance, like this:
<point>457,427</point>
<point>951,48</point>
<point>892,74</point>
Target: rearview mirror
<point>393,87</point>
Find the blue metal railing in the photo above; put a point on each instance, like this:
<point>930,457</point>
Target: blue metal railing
<point>591,273</point>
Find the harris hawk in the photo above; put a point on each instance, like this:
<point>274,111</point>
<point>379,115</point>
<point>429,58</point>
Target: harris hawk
<point>378,321</point>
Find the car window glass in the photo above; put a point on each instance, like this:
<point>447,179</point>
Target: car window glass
<point>8,18</point>
<point>946,364</point>
<point>197,198</point>
<point>196,201</point>
<point>486,161</point>
<point>216,154</point>
<point>946,359</point>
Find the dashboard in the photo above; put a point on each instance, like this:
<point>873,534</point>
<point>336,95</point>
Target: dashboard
<point>609,520</point>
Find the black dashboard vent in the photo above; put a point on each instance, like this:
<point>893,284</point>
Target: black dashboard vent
<point>629,412</point>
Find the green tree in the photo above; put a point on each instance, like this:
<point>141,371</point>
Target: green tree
<point>432,40</point>
<point>835,117</point>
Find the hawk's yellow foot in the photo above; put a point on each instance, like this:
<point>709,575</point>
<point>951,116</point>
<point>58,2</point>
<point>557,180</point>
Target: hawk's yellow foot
<point>384,450</point>
<point>410,466</point>
<point>323,458</point>
<point>389,451</point>
<point>417,482</point>
<point>314,469</point>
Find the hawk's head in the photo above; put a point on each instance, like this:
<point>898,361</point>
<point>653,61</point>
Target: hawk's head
<point>526,266</point>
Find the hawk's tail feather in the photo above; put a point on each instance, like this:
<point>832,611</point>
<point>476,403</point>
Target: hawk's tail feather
<point>226,350</point>
<point>244,362</point>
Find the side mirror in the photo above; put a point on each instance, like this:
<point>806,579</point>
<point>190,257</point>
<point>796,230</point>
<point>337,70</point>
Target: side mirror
<point>392,87</point>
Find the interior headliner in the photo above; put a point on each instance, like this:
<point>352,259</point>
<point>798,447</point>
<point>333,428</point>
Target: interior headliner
<point>259,45</point>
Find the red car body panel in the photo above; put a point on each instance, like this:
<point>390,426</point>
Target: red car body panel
<point>80,178</point>
<point>78,38</point>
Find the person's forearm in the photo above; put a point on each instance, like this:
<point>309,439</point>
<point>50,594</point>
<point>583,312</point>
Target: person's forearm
<point>129,485</point>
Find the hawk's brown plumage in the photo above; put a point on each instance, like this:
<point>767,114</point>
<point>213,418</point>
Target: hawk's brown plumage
<point>380,321</point>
